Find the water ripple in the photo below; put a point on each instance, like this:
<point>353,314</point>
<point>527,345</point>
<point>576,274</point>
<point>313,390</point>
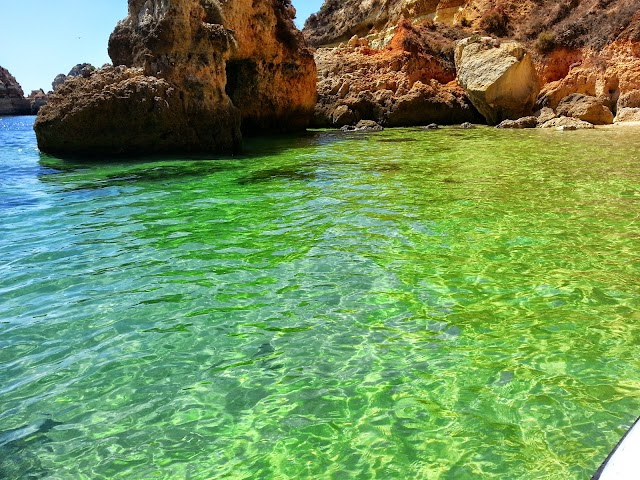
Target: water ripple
<point>407,305</point>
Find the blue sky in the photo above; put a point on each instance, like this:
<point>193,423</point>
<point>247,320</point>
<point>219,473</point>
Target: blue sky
<point>41,38</point>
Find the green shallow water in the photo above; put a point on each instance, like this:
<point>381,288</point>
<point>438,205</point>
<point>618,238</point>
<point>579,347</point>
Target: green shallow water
<point>410,304</point>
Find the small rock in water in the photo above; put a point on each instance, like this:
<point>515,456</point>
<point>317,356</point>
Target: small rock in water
<point>431,126</point>
<point>524,122</point>
<point>466,126</point>
<point>566,123</point>
<point>363,126</point>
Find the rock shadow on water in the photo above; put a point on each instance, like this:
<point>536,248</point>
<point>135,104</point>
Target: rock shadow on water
<point>289,173</point>
<point>17,447</point>
<point>91,173</point>
<point>397,140</point>
<point>101,175</point>
<point>388,167</point>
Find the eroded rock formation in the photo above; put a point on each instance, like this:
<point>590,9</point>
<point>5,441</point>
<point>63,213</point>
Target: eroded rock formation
<point>499,78</point>
<point>410,81</point>
<point>188,73</point>
<point>12,101</point>
<point>37,99</point>
<point>339,20</point>
<point>589,47</point>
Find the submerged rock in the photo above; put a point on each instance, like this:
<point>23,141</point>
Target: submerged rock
<point>499,78</point>
<point>190,73</point>
<point>584,107</point>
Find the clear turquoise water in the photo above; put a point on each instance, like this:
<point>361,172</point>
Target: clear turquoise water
<point>410,304</point>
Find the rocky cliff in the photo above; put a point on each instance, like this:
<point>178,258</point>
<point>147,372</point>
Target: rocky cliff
<point>588,47</point>
<point>12,101</point>
<point>188,74</point>
<point>409,82</point>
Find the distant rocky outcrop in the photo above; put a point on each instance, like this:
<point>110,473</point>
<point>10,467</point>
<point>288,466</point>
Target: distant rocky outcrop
<point>499,78</point>
<point>12,101</point>
<point>80,70</point>
<point>190,75</point>
<point>37,99</point>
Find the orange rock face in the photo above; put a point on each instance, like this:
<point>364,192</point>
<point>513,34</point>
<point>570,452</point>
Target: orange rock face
<point>271,74</point>
<point>193,75</point>
<point>409,82</point>
<point>590,47</point>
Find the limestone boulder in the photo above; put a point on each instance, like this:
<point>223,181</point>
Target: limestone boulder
<point>363,126</point>
<point>119,110</point>
<point>524,122</point>
<point>628,107</point>
<point>627,114</point>
<point>544,115</point>
<point>342,116</point>
<point>499,78</point>
<point>431,103</point>
<point>566,123</point>
<point>584,107</point>
<point>629,99</point>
